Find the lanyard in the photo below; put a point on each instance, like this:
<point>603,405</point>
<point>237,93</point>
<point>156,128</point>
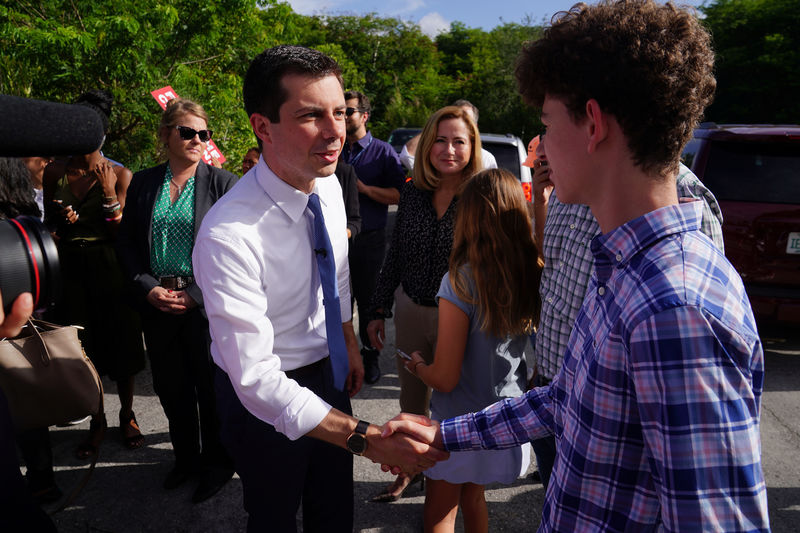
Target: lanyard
<point>359,154</point>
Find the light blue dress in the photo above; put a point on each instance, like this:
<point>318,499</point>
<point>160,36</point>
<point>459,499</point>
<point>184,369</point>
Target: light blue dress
<point>493,369</point>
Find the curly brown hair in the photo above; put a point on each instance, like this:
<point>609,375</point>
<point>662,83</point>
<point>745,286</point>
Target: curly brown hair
<point>493,241</point>
<point>649,65</point>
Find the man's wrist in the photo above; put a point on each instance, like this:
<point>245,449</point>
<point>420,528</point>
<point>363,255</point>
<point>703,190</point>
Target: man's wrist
<point>356,441</point>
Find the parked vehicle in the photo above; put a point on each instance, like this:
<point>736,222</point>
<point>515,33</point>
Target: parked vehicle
<point>510,152</point>
<point>754,171</point>
<point>401,136</point>
<point>508,149</point>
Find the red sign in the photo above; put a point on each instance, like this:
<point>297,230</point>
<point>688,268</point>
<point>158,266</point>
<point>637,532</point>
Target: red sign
<point>164,95</point>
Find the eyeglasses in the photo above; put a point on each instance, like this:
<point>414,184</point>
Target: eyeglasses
<point>350,110</point>
<point>187,133</point>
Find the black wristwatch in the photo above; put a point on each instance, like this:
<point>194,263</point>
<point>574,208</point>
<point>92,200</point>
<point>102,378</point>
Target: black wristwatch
<point>357,441</point>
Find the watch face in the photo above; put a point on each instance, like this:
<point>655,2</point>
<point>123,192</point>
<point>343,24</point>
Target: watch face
<point>357,444</point>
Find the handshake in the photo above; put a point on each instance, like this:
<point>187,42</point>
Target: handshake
<point>407,443</point>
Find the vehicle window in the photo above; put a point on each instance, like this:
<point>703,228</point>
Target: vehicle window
<point>507,156</point>
<point>752,172</point>
<point>398,138</point>
<point>689,153</point>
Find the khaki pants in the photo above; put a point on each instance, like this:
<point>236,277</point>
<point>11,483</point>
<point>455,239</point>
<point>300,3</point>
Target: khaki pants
<point>415,329</point>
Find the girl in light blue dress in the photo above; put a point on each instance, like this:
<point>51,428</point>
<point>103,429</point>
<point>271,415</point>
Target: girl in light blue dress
<point>488,305</point>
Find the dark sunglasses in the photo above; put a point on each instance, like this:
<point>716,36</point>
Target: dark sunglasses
<point>350,110</point>
<point>187,133</point>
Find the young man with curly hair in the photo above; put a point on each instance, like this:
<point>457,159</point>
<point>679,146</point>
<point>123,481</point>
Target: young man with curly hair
<point>655,410</point>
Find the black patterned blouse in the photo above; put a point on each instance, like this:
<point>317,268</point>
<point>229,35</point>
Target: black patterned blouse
<point>419,252</point>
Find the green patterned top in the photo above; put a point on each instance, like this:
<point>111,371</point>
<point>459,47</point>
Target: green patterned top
<point>173,231</point>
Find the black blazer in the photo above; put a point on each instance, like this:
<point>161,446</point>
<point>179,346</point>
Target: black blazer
<point>347,179</point>
<point>136,229</point>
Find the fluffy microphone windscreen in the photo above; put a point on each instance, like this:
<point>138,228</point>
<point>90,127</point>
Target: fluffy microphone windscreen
<point>31,128</point>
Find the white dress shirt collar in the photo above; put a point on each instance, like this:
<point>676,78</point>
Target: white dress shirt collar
<point>291,201</point>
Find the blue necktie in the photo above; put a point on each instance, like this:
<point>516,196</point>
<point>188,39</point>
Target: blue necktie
<point>330,294</point>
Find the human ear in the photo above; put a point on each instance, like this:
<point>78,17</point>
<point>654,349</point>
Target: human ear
<point>596,124</point>
<point>261,127</point>
<point>163,134</point>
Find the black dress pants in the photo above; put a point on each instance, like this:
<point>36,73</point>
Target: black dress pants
<point>178,347</point>
<point>277,473</point>
<point>366,260</point>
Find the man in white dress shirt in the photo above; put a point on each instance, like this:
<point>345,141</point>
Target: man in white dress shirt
<point>284,422</point>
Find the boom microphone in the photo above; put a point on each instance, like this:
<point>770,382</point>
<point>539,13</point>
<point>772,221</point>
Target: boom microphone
<point>30,128</point>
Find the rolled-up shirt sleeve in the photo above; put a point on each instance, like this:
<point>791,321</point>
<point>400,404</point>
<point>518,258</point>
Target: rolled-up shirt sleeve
<point>243,337</point>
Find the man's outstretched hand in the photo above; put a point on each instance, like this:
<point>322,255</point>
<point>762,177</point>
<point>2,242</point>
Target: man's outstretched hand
<point>401,446</point>
<point>418,428</point>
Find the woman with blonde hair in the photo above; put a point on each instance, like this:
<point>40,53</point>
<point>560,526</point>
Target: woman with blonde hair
<point>488,306</point>
<point>165,207</point>
<point>447,155</point>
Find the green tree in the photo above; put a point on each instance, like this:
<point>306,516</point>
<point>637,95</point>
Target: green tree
<point>758,60</point>
<point>483,64</point>
<point>57,49</point>
<point>393,63</point>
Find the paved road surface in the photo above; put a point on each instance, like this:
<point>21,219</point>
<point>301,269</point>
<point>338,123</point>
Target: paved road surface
<point>125,494</point>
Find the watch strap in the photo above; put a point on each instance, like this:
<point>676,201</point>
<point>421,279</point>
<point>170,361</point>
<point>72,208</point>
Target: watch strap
<point>361,427</point>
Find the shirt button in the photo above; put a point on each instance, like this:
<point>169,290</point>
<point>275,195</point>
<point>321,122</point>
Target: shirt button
<point>601,290</point>
<point>549,299</point>
<point>594,344</point>
<point>619,257</point>
<point>572,226</point>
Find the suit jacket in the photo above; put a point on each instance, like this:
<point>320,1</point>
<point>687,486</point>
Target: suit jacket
<point>347,179</point>
<point>136,229</point>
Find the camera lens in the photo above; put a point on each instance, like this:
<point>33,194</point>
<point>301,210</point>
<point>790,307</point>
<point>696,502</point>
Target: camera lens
<point>28,262</point>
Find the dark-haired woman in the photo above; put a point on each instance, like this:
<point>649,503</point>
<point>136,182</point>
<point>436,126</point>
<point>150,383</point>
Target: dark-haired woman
<point>17,195</point>
<point>18,504</point>
<point>84,196</point>
<point>166,205</point>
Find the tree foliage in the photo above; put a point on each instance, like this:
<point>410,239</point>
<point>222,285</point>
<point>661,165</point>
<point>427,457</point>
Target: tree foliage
<point>758,60</point>
<point>485,64</point>
<point>57,49</point>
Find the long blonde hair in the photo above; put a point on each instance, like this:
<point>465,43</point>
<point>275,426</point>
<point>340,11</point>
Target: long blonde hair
<point>494,237</point>
<point>426,177</point>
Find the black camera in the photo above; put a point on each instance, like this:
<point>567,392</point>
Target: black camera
<point>29,262</point>
<point>28,255</point>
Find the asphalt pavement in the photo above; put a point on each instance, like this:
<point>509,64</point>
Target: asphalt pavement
<point>125,495</point>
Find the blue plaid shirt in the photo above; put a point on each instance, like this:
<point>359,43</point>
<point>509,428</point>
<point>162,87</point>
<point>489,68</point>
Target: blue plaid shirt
<point>656,408</point>
<point>568,263</point>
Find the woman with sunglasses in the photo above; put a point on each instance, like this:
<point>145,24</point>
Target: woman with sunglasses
<point>166,205</point>
<point>84,196</point>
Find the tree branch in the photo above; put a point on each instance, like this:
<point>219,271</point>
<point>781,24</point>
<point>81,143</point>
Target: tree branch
<point>201,60</point>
